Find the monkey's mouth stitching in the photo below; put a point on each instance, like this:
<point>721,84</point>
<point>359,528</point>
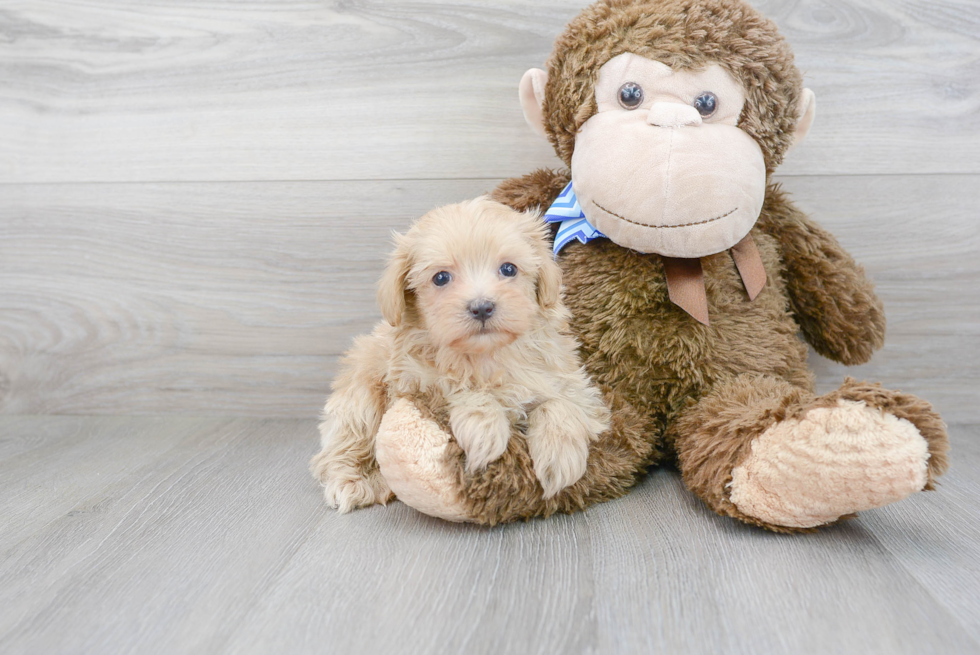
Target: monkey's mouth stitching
<point>716,218</point>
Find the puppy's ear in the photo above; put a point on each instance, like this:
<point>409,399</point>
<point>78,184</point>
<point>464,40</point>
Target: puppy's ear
<point>537,232</point>
<point>393,287</point>
<point>549,280</point>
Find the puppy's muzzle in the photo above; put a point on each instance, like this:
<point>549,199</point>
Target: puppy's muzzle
<point>481,310</point>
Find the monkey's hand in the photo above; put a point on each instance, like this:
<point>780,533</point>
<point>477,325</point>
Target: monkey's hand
<point>831,298</point>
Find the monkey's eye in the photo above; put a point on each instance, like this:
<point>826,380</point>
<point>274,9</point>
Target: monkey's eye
<point>442,278</point>
<point>630,95</point>
<point>706,104</point>
<point>508,270</point>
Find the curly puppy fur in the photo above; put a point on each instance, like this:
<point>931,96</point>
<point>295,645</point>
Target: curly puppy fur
<point>486,348</point>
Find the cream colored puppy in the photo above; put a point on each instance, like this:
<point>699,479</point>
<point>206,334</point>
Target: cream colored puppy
<point>474,329</point>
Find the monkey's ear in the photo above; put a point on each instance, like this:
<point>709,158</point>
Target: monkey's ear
<point>393,285</point>
<point>532,99</point>
<point>806,111</point>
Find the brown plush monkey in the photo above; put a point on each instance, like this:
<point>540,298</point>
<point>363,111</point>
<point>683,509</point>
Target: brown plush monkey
<point>672,116</point>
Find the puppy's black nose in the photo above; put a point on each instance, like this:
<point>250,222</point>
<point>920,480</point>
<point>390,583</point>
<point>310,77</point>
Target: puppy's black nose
<point>481,310</point>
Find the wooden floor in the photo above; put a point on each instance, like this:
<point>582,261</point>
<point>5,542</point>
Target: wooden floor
<point>195,201</point>
<point>186,535</point>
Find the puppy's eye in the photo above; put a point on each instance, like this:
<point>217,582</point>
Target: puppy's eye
<point>630,95</point>
<point>442,278</point>
<point>508,270</point>
<point>706,104</point>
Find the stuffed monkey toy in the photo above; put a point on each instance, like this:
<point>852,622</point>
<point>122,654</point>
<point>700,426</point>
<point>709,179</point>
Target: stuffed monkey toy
<point>690,277</point>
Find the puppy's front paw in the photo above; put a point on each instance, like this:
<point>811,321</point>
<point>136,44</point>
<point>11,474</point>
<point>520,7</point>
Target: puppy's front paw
<point>482,431</point>
<point>558,462</point>
<point>559,446</point>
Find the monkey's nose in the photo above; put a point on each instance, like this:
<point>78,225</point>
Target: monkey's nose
<point>673,114</point>
<point>481,310</point>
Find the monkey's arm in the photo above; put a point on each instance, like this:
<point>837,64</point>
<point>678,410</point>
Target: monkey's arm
<point>830,296</point>
<point>537,189</point>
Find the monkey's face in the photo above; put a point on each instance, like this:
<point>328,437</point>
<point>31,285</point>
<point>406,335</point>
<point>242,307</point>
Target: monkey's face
<point>663,167</point>
<point>670,143</point>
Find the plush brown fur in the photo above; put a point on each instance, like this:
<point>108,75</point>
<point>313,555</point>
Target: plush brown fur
<point>681,391</point>
<point>714,435</point>
<point>706,392</point>
<point>833,301</point>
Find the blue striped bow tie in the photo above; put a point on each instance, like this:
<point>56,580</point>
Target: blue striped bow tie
<point>574,225</point>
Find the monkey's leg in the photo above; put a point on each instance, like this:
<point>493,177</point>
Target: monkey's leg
<point>416,457</point>
<point>425,468</point>
<point>767,453</point>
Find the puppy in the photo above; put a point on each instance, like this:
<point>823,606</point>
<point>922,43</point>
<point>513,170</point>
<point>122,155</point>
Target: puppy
<point>473,328</point>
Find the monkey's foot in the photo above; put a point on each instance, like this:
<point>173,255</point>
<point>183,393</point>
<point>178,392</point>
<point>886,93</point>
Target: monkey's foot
<point>411,452</point>
<point>831,462</point>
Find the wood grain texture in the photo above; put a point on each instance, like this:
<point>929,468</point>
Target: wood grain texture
<point>919,240</point>
<point>237,298</point>
<point>192,298</point>
<point>222,544</point>
<point>195,199</point>
<point>167,554</point>
<point>222,90</point>
<point>941,554</point>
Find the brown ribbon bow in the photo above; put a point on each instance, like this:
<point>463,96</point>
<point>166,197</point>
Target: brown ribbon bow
<point>685,278</point>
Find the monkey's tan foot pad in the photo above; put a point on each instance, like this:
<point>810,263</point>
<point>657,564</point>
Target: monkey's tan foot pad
<point>833,461</point>
<point>411,451</point>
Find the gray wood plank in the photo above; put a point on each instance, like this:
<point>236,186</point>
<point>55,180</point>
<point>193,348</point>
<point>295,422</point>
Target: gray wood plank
<point>75,460</point>
<point>677,578</point>
<point>652,572</point>
<point>404,583</point>
<point>919,240</point>
<point>237,298</point>
<point>192,298</point>
<point>168,557</point>
<point>936,536</point>
<point>224,90</point>
<point>23,434</point>
<point>223,545</point>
